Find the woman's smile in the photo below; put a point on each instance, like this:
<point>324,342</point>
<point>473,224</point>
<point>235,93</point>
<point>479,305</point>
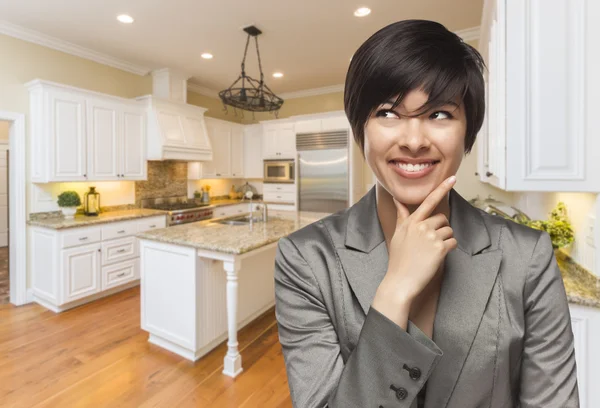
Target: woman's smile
<point>413,170</point>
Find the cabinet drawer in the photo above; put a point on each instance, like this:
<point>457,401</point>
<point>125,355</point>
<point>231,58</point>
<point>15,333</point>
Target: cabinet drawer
<point>151,223</point>
<point>280,197</point>
<point>224,211</point>
<point>119,249</point>
<point>118,274</point>
<point>80,236</point>
<point>279,188</point>
<point>118,230</point>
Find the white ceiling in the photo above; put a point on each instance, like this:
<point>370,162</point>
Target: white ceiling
<point>310,41</point>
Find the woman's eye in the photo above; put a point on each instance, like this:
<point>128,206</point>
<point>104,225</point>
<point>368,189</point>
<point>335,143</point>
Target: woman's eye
<point>441,115</point>
<point>386,113</point>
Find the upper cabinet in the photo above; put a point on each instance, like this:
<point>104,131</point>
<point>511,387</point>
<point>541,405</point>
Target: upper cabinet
<point>79,135</point>
<point>253,161</point>
<point>325,124</point>
<point>279,140</point>
<point>540,132</point>
<point>226,139</point>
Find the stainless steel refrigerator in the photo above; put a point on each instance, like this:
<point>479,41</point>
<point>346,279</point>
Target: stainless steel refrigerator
<point>323,184</point>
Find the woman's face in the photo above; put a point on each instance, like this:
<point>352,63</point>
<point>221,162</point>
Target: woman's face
<point>411,156</point>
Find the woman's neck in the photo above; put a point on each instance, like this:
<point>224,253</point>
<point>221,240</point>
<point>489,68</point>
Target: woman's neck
<point>386,211</point>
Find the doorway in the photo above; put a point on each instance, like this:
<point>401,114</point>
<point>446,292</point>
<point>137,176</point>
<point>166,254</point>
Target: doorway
<point>14,203</point>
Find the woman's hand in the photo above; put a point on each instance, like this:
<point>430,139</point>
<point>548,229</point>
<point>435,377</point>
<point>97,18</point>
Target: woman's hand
<point>417,249</point>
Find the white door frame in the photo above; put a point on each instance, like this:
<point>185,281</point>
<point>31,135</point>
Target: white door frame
<point>17,199</point>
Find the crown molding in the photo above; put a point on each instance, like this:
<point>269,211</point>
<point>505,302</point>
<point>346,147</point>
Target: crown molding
<point>469,34</point>
<point>36,37</point>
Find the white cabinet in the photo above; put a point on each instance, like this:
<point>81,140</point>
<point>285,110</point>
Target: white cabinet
<point>279,141</point>
<point>81,272</point>
<point>540,133</point>
<point>227,141</point>
<point>237,152</point>
<point>74,266</point>
<point>78,135</point>
<point>329,123</point>
<point>230,210</point>
<point>60,135</point>
<point>585,322</point>
<point>253,161</point>
<point>280,193</point>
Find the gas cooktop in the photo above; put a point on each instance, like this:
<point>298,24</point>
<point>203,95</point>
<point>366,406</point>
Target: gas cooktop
<point>176,206</point>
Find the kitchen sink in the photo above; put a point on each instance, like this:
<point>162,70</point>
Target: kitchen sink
<point>243,220</point>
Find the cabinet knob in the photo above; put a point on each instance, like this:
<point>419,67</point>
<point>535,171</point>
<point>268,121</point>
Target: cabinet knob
<point>488,174</point>
<point>477,173</point>
<point>85,175</point>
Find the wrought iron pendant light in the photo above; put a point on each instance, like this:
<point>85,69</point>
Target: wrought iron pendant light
<point>247,93</point>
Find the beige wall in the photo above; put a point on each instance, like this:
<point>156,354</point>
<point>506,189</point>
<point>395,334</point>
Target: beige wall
<point>4,127</point>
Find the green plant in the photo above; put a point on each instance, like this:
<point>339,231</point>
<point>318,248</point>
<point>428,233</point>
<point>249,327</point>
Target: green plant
<point>558,226</point>
<point>69,199</point>
<point>197,194</point>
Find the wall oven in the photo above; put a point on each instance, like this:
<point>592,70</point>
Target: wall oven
<point>279,171</point>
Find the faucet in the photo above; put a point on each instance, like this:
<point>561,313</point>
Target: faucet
<point>264,211</point>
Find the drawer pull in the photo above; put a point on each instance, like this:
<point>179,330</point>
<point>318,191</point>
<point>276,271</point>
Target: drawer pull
<point>120,232</point>
<point>121,274</point>
<point>278,196</point>
<point>121,250</point>
<point>153,226</point>
<point>83,238</point>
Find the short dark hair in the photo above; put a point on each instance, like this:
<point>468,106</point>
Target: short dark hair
<point>409,55</point>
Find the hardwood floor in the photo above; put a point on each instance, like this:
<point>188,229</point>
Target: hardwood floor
<point>4,284</point>
<point>97,356</point>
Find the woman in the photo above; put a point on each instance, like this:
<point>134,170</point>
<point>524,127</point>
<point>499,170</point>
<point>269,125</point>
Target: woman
<point>412,297</point>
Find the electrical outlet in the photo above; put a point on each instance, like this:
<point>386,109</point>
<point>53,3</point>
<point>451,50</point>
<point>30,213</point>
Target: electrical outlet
<point>589,231</point>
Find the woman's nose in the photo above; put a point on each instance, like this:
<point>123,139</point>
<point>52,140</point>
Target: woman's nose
<point>412,136</point>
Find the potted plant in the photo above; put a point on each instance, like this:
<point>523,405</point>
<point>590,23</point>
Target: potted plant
<point>68,201</point>
<point>558,227</point>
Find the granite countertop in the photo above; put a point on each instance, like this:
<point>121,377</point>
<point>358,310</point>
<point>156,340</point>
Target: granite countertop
<point>232,239</point>
<point>582,286</point>
<point>59,222</point>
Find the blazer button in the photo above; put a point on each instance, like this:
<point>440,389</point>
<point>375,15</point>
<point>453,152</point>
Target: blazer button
<point>414,373</point>
<point>401,393</point>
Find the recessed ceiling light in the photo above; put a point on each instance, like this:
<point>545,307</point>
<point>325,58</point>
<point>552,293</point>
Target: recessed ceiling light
<point>363,11</point>
<point>207,55</point>
<point>124,18</point>
<point>277,74</point>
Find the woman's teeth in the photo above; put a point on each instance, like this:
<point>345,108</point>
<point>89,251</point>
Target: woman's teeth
<point>413,167</point>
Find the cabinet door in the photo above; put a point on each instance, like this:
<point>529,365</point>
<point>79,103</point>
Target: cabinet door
<point>286,141</point>
<point>237,152</point>
<point>253,157</point>
<point>222,151</point>
<point>103,136</point>
<point>133,145</point>
<point>67,131</point>
<point>269,144</point>
<point>80,272</point>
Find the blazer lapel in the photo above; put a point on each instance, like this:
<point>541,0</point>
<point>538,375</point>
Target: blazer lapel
<point>365,257</point>
<point>469,276</point>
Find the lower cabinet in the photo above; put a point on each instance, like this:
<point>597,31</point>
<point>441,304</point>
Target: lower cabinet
<point>230,210</point>
<point>74,266</point>
<point>585,322</point>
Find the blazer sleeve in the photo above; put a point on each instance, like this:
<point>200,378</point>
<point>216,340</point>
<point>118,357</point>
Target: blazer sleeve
<point>548,369</point>
<point>373,375</point>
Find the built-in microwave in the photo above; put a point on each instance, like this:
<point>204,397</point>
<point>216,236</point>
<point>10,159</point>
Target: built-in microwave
<point>279,171</point>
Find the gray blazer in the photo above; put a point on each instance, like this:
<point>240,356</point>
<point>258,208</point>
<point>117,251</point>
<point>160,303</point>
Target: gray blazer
<point>502,333</point>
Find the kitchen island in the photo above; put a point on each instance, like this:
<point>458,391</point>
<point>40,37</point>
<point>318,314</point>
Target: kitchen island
<point>201,282</point>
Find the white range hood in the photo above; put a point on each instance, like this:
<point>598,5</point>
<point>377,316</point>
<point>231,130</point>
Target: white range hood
<point>176,129</point>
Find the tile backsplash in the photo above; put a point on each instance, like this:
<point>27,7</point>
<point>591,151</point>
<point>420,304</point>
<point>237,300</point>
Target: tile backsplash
<point>166,178</point>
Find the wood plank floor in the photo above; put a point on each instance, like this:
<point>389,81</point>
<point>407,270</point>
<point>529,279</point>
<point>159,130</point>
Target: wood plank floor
<point>97,356</point>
